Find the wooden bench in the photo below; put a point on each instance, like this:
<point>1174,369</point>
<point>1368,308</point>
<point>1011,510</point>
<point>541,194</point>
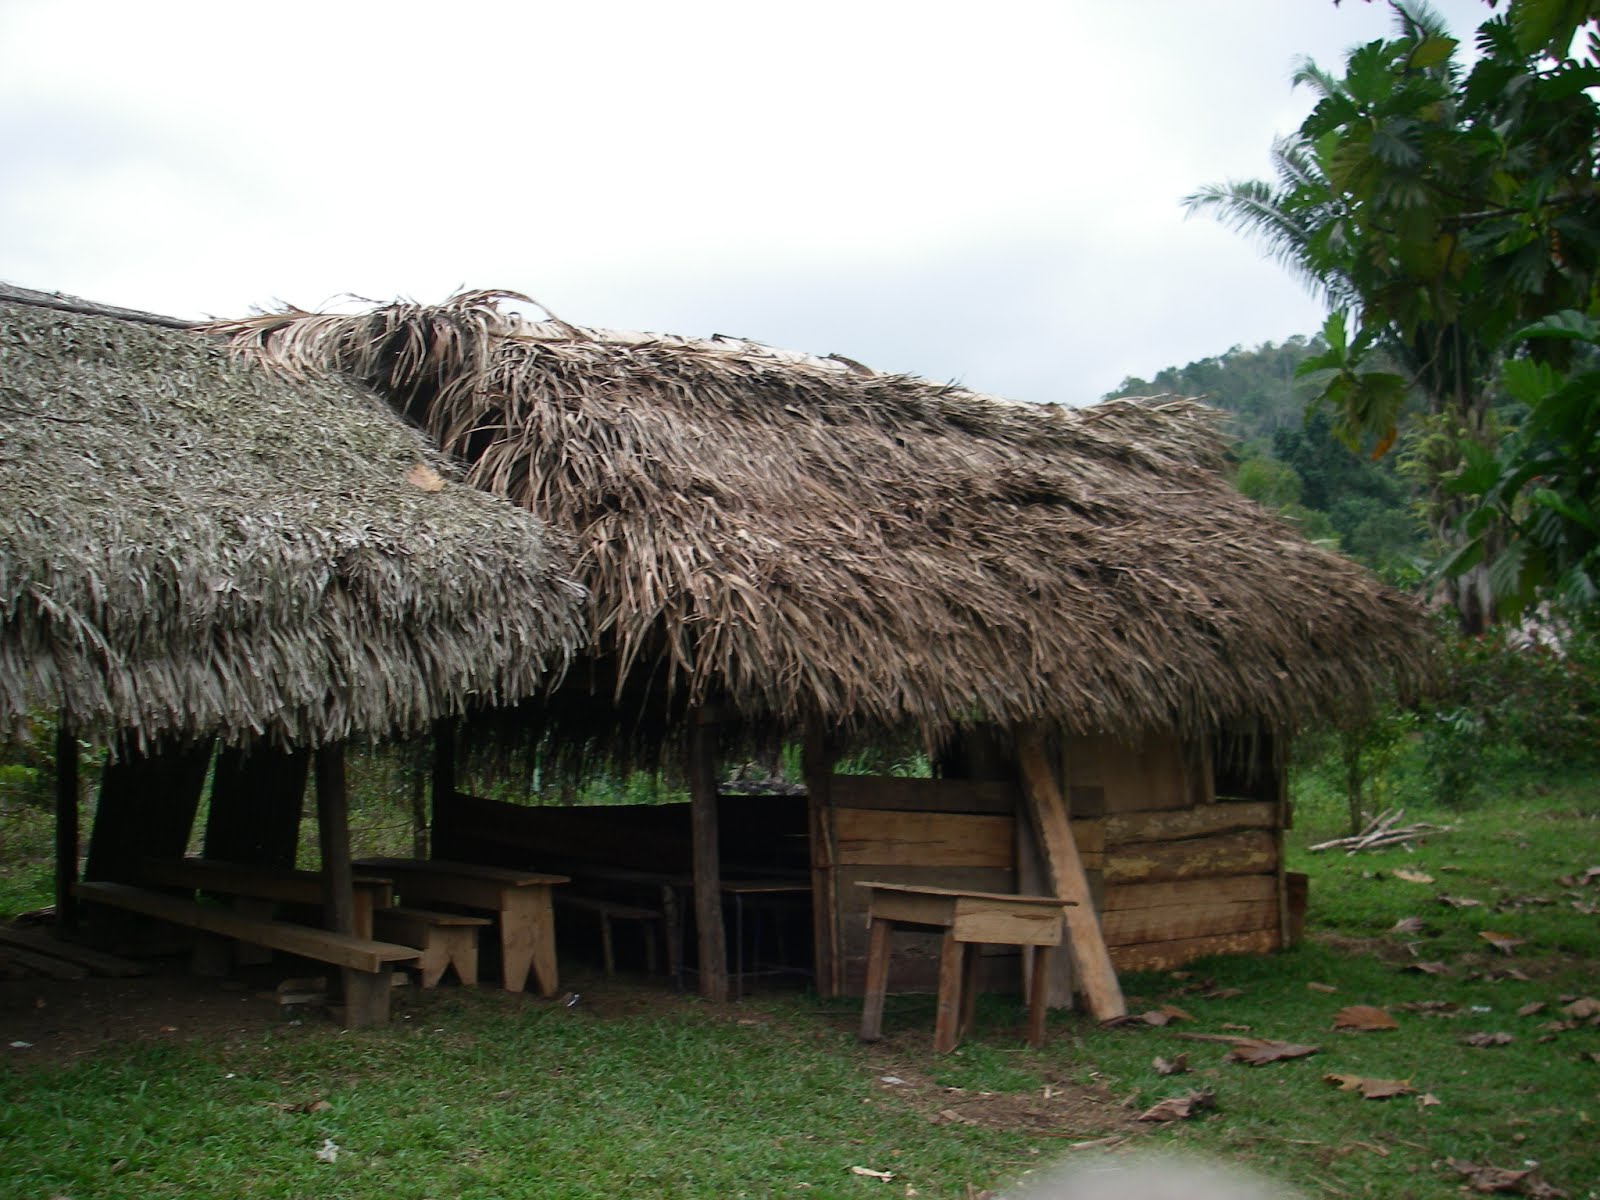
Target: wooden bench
<point>520,901</point>
<point>366,963</point>
<point>965,919</point>
<point>612,910</point>
<point>258,883</point>
<point>444,939</point>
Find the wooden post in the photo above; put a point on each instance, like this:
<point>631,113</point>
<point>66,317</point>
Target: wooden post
<point>441,835</point>
<point>1096,977</point>
<point>333,836</point>
<point>702,773</point>
<point>66,827</point>
<point>816,767</point>
<point>365,993</point>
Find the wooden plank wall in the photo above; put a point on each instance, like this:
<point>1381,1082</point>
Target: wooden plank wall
<point>939,832</point>
<point>1185,872</point>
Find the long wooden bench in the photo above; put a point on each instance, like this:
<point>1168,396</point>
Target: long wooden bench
<point>367,964</point>
<point>254,882</point>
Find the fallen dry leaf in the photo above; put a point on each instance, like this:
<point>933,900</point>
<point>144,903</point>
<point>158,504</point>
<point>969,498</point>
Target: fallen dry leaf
<point>1487,1179</point>
<point>1428,968</point>
<point>1257,1052</point>
<point>1180,1108</point>
<point>1428,1100</point>
<point>1488,1039</point>
<point>1431,1008</point>
<point>1407,875</point>
<point>1364,1018</point>
<point>1460,901</point>
<point>1171,1066</point>
<point>1239,1028</point>
<point>329,1152</point>
<point>1407,925</point>
<point>1527,1010</point>
<point>1583,1008</point>
<point>886,1176</point>
<point>1227,993</point>
<point>1322,987</point>
<point>1502,942</point>
<point>1371,1089</point>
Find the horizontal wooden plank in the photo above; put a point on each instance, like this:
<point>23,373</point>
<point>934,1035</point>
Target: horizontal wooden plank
<point>1134,926</point>
<point>101,964</point>
<point>1250,853</point>
<point>925,795</point>
<point>1201,821</point>
<point>1190,891</point>
<point>868,837</point>
<point>1090,834</point>
<point>340,949</point>
<point>247,879</point>
<point>44,964</point>
<point>1164,956</point>
<point>853,899</point>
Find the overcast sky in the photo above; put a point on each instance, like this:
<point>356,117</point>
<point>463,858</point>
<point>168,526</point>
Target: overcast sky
<point>987,193</point>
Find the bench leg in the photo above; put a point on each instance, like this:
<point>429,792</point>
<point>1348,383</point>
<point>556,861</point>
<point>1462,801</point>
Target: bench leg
<point>1038,995</point>
<point>952,959</point>
<point>528,941</point>
<point>971,962</point>
<point>464,954</point>
<point>435,957</point>
<point>247,954</point>
<point>877,980</point>
<point>212,955</point>
<point>607,952</point>
<point>366,998</point>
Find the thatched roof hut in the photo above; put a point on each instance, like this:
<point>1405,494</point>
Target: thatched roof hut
<point>801,538</point>
<point>192,545</point>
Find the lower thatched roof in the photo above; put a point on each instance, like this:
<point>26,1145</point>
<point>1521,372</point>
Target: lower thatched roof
<point>806,538</point>
<point>191,545</point>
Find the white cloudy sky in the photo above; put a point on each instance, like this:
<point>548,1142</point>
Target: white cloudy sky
<point>980,192</point>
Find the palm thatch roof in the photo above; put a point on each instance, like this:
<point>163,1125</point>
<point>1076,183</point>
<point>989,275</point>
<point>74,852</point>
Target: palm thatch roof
<point>191,544</point>
<point>803,537</point>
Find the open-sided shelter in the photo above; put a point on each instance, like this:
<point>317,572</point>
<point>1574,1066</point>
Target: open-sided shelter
<point>776,539</point>
<point>195,551</point>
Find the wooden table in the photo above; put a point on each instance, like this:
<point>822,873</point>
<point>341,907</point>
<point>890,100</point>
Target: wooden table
<point>756,890</point>
<point>270,884</point>
<point>967,919</point>
<point>520,900</point>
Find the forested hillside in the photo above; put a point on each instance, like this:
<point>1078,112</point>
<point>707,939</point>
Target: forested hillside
<point>1290,460</point>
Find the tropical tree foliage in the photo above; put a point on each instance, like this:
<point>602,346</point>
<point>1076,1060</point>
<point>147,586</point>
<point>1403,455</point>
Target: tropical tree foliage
<point>1439,211</point>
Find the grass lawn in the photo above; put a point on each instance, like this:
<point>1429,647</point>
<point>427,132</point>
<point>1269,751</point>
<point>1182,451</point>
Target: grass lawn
<point>639,1092</point>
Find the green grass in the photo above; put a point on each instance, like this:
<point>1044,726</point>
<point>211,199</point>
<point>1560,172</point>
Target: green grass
<point>483,1095</point>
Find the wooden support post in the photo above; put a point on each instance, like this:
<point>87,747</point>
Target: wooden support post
<point>816,765</point>
<point>365,993</point>
<point>333,836</point>
<point>702,773</point>
<point>1095,977</point>
<point>443,791</point>
<point>66,827</point>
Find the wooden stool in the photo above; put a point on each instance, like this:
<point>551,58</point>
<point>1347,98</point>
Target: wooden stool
<point>609,911</point>
<point>445,940</point>
<point>967,919</point>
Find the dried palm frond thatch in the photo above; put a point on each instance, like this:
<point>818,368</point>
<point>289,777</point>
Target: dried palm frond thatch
<point>191,544</point>
<point>803,537</point>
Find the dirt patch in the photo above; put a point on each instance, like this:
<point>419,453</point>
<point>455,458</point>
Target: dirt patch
<point>1058,1110</point>
<point>59,1021</point>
